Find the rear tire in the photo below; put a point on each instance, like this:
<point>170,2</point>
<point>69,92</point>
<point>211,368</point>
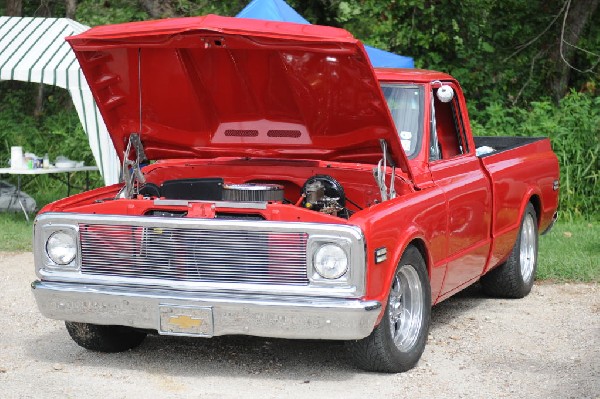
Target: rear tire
<point>514,278</point>
<point>108,339</point>
<point>397,343</point>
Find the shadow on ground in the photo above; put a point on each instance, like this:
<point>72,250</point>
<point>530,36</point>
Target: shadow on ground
<point>231,355</point>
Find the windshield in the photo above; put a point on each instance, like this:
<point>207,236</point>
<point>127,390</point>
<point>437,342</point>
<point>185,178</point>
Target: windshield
<point>406,106</point>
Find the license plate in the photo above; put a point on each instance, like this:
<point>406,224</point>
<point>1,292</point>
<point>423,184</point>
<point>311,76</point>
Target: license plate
<point>186,320</point>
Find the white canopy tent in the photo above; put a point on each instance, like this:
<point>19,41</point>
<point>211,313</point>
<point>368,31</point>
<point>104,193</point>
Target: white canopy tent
<point>34,50</point>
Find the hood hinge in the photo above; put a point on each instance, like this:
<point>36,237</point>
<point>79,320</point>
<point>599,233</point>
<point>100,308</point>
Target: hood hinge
<point>131,171</point>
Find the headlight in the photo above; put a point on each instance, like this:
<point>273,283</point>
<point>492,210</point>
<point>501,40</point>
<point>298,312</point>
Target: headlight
<point>331,261</point>
<point>61,247</point>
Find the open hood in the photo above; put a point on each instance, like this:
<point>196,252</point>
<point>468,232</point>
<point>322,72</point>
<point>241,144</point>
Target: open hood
<point>216,86</point>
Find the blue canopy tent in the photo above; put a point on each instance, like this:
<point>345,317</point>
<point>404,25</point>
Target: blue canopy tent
<point>279,10</point>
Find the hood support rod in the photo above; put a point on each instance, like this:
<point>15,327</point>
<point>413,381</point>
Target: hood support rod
<point>131,172</point>
<point>140,87</point>
<point>380,171</point>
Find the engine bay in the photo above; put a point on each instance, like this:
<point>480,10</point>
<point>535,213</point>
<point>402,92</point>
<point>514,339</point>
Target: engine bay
<point>320,193</point>
<point>244,188</point>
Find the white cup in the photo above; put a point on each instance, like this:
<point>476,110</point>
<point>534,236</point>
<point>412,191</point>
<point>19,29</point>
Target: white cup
<point>16,157</point>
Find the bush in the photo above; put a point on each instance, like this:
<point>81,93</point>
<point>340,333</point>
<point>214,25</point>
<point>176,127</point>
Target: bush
<point>57,131</point>
<point>574,130</point>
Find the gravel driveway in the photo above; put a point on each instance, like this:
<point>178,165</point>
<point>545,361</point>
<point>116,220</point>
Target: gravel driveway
<point>544,346</point>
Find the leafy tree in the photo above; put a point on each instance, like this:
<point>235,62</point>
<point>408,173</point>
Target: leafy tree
<point>506,51</point>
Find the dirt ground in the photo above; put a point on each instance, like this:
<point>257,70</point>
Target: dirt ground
<point>544,346</point>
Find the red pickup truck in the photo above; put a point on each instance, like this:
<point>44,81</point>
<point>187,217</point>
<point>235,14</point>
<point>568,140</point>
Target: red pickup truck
<point>276,185</point>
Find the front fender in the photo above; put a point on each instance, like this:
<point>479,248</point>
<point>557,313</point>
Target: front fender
<point>418,217</point>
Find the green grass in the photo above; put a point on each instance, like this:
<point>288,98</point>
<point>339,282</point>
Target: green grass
<point>15,232</point>
<point>570,252</point>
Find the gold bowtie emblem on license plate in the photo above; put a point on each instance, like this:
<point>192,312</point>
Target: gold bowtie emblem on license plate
<point>186,320</point>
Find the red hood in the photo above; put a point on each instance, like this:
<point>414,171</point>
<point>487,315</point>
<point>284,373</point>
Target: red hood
<point>216,86</point>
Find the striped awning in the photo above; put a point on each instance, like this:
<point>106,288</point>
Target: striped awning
<point>34,50</point>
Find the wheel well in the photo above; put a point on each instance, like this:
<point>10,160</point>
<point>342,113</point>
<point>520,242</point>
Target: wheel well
<point>420,245</point>
<point>537,205</point>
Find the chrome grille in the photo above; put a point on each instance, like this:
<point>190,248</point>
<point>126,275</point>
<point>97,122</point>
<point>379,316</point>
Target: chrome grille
<point>194,255</point>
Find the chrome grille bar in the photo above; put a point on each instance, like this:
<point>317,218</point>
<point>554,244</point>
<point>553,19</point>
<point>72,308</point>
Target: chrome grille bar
<point>194,255</point>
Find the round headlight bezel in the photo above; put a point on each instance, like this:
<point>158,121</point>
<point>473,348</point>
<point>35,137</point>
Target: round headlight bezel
<point>64,240</point>
<point>326,253</point>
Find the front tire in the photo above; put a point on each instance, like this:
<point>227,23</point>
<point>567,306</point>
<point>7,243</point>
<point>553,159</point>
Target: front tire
<point>514,278</point>
<point>397,343</point>
<point>108,339</point>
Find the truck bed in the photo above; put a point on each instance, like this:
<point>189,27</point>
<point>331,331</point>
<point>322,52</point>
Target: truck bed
<point>520,169</point>
<point>500,144</point>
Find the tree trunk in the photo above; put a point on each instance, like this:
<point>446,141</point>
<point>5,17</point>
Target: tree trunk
<point>158,9</point>
<point>39,102</point>
<point>14,8</point>
<point>71,6</point>
<point>580,13</point>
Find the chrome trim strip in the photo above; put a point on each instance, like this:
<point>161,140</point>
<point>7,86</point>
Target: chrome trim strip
<point>217,204</point>
<point>258,315</point>
<point>221,224</point>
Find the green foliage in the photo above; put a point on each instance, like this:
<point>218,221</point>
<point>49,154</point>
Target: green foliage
<point>94,13</point>
<point>500,51</point>
<point>15,118</point>
<point>57,131</point>
<point>574,130</point>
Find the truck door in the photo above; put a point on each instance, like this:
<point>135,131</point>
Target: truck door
<point>457,171</point>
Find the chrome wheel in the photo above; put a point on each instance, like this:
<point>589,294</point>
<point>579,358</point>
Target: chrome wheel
<point>405,309</point>
<point>398,341</point>
<point>527,251</point>
<point>514,278</point>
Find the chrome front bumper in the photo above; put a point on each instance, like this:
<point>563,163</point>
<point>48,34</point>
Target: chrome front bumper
<point>208,314</point>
